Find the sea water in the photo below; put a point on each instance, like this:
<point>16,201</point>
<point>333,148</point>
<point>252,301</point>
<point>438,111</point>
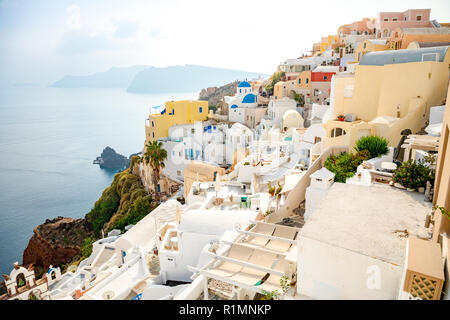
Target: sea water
<point>49,138</point>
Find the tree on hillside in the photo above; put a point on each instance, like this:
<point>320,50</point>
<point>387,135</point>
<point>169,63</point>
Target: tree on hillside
<point>276,77</point>
<point>155,155</point>
<point>300,98</point>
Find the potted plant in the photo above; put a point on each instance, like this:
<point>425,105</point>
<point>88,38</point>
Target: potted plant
<point>340,117</point>
<point>272,189</point>
<point>412,175</point>
<point>266,215</point>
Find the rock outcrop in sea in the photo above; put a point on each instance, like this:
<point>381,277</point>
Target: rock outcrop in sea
<point>110,159</point>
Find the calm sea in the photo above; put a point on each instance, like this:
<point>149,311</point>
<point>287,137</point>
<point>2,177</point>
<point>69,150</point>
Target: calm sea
<point>48,140</point>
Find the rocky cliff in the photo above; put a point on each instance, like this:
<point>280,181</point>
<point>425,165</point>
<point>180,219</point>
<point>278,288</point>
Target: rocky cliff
<point>56,241</point>
<point>214,95</point>
<point>66,240</point>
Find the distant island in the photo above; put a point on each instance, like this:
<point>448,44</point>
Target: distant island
<point>145,79</point>
<point>113,78</point>
<point>185,78</point>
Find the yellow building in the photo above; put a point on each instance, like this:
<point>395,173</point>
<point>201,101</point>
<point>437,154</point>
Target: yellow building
<point>390,91</point>
<point>175,112</point>
<point>370,45</point>
<point>328,43</point>
<point>304,80</point>
<point>402,37</point>
<point>442,182</point>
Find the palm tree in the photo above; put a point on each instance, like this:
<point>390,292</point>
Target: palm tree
<point>155,156</point>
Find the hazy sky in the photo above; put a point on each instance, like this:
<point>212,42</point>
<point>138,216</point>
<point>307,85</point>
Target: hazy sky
<point>42,40</point>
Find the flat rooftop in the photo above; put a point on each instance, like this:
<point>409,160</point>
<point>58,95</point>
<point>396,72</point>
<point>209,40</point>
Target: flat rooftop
<point>369,220</point>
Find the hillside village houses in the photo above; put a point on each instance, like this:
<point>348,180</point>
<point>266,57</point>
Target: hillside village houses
<point>263,212</point>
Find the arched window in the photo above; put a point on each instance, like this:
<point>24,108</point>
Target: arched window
<point>20,279</point>
<point>337,132</point>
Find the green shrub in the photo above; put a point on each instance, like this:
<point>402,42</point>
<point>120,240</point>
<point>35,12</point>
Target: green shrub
<point>276,77</point>
<point>116,201</point>
<point>413,175</point>
<point>86,249</point>
<point>138,210</point>
<point>345,165</point>
<point>377,146</point>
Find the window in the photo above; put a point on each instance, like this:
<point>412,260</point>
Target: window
<point>337,132</point>
<point>153,134</point>
<point>299,81</point>
<point>193,131</point>
<point>419,18</point>
<point>307,80</point>
<point>430,56</point>
<point>178,173</point>
<point>153,124</point>
<point>394,19</point>
<point>386,19</point>
<point>200,109</point>
<point>325,77</point>
<point>365,45</point>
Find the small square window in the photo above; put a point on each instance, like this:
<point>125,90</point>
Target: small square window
<point>200,109</point>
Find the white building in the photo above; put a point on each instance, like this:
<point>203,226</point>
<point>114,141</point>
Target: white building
<point>243,106</point>
<point>238,138</point>
<point>277,109</point>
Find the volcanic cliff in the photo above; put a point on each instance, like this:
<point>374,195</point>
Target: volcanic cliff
<point>56,241</point>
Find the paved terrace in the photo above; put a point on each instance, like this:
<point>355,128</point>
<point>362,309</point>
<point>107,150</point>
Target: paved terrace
<point>374,221</point>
